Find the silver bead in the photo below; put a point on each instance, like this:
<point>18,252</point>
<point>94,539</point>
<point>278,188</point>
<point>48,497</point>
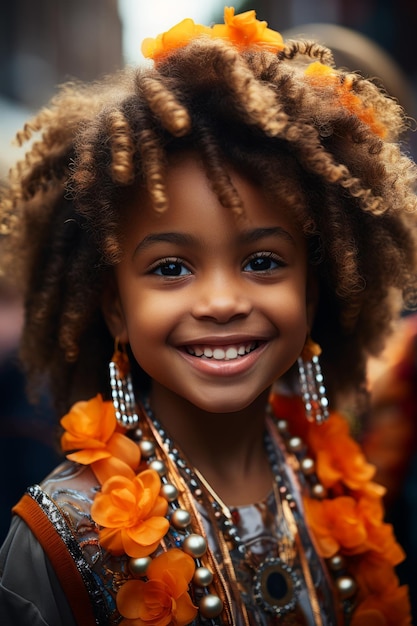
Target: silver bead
<point>210,606</point>
<point>137,434</point>
<point>282,426</point>
<point>308,466</point>
<point>194,545</point>
<point>138,567</point>
<point>346,587</point>
<point>169,492</point>
<point>158,466</point>
<point>180,518</point>
<point>319,492</point>
<point>147,448</point>
<point>336,563</point>
<point>295,444</point>
<point>202,577</point>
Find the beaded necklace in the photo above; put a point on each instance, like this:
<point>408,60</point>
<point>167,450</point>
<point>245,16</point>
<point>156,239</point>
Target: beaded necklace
<point>171,520</point>
<point>276,583</point>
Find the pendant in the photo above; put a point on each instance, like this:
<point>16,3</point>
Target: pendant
<point>276,587</point>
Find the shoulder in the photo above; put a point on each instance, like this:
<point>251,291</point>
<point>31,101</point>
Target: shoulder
<point>58,514</point>
<point>30,593</point>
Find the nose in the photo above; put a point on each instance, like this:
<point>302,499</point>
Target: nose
<point>221,298</point>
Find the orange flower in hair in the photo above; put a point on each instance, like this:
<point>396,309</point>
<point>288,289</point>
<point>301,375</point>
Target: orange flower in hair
<point>323,76</point>
<point>176,37</point>
<point>131,513</point>
<point>242,30</point>
<point>163,599</point>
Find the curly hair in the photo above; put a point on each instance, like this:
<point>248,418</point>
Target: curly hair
<point>351,191</point>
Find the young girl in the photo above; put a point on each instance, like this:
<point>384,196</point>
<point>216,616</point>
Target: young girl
<point>203,225</point>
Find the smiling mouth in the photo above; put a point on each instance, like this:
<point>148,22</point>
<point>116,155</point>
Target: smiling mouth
<point>225,353</point>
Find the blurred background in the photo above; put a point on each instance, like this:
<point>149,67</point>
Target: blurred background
<point>46,42</point>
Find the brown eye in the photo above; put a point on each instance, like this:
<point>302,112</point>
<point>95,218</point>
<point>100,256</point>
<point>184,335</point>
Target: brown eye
<point>263,263</point>
<point>171,268</point>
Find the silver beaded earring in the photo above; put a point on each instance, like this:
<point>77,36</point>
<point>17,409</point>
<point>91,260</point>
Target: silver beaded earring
<point>122,389</point>
<point>313,391</point>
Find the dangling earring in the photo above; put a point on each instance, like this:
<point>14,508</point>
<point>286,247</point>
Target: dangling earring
<point>121,388</point>
<point>313,391</point>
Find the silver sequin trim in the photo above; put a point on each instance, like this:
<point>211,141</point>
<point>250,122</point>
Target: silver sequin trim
<point>53,513</point>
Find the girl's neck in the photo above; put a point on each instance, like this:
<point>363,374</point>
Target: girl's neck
<point>227,449</point>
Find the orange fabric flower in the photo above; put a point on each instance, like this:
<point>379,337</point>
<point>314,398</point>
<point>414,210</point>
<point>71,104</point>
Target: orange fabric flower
<point>131,512</point>
<point>380,536</point>
<point>338,457</point>
<point>324,76</point>
<point>351,526</point>
<point>391,608</point>
<point>90,429</point>
<point>163,598</point>
<point>373,574</point>
<point>242,30</point>
<point>335,524</point>
<point>176,37</point>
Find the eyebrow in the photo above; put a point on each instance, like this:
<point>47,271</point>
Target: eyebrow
<point>181,239</point>
<point>184,239</point>
<point>255,234</point>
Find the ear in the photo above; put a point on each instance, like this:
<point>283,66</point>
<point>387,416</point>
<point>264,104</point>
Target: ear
<point>112,310</point>
<point>312,297</point>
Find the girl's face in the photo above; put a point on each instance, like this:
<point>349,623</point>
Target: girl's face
<point>214,307</point>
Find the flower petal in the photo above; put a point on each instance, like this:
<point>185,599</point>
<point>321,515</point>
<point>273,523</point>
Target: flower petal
<point>175,560</point>
<point>111,540</point>
<point>185,610</point>
<point>128,597</point>
<point>125,449</point>
<point>86,457</point>
<point>104,469</point>
<point>148,531</point>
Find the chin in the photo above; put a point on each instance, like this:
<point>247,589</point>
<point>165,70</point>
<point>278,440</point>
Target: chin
<point>227,404</point>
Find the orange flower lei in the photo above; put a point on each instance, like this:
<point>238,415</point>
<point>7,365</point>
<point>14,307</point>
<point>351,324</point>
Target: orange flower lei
<point>349,520</point>
<point>131,515</point>
<point>242,30</point>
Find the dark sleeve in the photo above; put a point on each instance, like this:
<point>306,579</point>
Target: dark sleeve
<point>30,592</point>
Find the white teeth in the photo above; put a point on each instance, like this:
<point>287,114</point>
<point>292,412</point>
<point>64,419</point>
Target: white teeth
<point>221,354</point>
<point>231,353</point>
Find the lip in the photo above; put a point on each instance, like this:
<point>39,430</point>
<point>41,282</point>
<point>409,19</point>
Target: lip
<point>223,340</point>
<point>224,368</point>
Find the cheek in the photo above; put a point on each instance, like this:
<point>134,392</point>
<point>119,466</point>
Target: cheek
<point>288,312</point>
<point>288,305</point>
<point>150,318</point>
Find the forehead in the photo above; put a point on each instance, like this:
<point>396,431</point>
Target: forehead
<point>193,199</point>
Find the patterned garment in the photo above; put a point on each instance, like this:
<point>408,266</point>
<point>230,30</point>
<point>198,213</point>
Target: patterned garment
<point>275,564</point>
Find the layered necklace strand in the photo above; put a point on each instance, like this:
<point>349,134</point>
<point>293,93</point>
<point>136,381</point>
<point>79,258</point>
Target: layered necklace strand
<point>275,583</point>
